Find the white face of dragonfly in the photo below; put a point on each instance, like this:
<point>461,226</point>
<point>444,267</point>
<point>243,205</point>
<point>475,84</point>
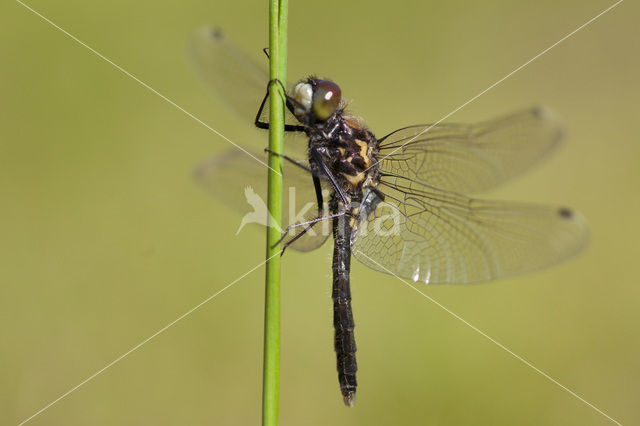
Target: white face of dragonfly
<point>302,93</point>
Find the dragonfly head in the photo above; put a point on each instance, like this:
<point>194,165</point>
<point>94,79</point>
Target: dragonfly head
<point>315,100</point>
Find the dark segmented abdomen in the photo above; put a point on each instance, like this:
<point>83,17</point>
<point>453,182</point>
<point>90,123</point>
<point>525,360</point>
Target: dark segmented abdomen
<point>345,344</point>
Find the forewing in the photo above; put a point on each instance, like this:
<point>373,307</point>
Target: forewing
<point>429,235</point>
<point>470,158</point>
<point>234,77</point>
<point>237,180</point>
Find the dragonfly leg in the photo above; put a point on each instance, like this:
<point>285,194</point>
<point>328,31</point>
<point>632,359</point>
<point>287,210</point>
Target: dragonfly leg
<point>306,229</point>
<point>291,160</point>
<point>264,124</point>
<point>318,158</point>
<point>308,225</point>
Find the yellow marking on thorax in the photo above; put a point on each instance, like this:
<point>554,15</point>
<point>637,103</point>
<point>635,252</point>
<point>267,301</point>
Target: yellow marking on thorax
<point>354,180</point>
<point>364,152</point>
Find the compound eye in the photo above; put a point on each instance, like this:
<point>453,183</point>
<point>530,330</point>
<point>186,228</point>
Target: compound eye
<point>326,98</point>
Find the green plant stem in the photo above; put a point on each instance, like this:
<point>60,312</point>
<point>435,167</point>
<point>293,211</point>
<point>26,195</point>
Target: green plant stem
<point>277,68</point>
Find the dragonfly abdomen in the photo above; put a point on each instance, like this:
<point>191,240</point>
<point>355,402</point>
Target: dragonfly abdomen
<point>344,340</point>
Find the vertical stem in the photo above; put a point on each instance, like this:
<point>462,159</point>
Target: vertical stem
<point>277,68</point>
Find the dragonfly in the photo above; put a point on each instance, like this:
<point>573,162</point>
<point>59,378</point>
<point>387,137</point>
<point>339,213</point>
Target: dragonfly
<point>401,204</point>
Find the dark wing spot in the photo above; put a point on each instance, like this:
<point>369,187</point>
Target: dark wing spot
<point>537,112</point>
<point>216,33</point>
<point>565,213</point>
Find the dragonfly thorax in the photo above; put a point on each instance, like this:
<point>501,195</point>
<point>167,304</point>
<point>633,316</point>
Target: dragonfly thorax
<point>348,150</point>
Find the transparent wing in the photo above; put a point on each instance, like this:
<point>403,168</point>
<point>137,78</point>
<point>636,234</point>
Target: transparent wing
<point>235,78</point>
<point>237,180</point>
<point>229,72</point>
<point>470,158</point>
<point>433,236</point>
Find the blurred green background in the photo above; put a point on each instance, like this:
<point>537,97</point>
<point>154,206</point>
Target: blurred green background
<point>106,238</point>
